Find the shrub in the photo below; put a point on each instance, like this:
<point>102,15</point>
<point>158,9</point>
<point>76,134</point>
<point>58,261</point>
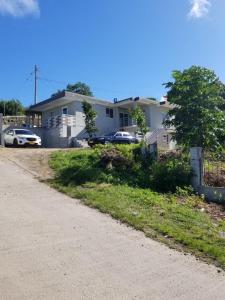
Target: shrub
<point>123,164</point>
<point>114,158</point>
<point>170,173</point>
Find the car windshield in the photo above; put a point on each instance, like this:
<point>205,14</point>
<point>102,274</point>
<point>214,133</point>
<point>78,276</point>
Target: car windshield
<point>110,134</point>
<point>23,132</point>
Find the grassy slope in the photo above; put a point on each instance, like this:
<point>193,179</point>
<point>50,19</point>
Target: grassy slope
<point>159,216</point>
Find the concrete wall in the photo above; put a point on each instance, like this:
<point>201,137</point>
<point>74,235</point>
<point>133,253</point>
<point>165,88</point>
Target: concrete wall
<point>214,194</point>
<point>52,138</point>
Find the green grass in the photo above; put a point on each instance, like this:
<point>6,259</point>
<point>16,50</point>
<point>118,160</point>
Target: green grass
<point>160,216</point>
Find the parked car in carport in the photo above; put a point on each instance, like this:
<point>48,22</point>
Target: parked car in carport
<point>118,137</point>
<point>21,137</point>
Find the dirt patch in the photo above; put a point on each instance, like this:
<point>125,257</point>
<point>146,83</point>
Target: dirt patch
<point>215,179</point>
<point>216,211</point>
<point>35,161</point>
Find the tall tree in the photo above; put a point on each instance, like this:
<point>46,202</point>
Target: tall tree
<point>11,107</point>
<point>90,116</point>
<point>197,114</point>
<point>80,88</point>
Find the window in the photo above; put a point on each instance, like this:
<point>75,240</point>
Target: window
<point>124,119</point>
<point>118,134</point>
<point>126,134</point>
<point>65,110</point>
<point>109,112</point>
<point>21,131</point>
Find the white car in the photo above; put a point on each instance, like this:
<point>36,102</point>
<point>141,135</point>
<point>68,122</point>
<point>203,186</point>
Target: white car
<point>21,137</point>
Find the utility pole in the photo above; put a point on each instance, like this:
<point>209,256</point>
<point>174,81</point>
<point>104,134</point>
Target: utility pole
<point>35,83</point>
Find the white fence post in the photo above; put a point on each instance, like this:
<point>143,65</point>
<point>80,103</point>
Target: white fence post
<point>1,130</point>
<point>197,167</point>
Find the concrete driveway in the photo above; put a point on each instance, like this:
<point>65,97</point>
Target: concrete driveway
<point>53,247</point>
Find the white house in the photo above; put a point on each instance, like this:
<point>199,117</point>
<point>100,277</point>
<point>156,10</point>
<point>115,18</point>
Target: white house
<point>63,118</point>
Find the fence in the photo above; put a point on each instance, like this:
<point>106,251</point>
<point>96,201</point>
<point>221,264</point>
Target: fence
<point>208,174</point>
<point>214,169</point>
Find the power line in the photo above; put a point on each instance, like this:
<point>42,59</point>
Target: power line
<point>95,88</point>
<point>52,80</point>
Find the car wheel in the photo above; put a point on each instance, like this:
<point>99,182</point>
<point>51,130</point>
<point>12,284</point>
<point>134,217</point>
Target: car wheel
<point>15,143</point>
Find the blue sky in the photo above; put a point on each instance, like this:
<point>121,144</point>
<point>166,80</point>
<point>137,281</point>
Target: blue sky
<point>121,48</point>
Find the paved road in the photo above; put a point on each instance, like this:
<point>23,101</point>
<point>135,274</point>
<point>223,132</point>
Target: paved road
<point>52,247</point>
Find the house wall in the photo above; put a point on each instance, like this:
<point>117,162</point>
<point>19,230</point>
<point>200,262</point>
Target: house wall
<point>105,124</point>
<point>57,111</point>
<point>147,110</point>
<point>156,114</point>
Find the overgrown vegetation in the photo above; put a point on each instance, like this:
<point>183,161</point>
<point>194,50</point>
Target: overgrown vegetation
<point>125,164</point>
<point>114,180</point>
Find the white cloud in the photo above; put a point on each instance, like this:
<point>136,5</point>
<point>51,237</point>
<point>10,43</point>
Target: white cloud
<point>200,8</point>
<point>19,8</point>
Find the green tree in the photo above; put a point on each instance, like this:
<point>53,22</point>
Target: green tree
<point>80,88</point>
<point>139,116</point>
<point>11,107</point>
<point>197,114</point>
<point>57,93</point>
<point>90,116</point>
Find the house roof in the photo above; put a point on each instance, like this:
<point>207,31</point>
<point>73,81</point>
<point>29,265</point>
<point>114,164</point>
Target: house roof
<point>65,98</point>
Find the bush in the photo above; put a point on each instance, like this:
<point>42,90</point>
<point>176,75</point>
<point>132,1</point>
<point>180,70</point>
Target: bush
<point>113,158</point>
<point>170,173</point>
<point>123,164</point>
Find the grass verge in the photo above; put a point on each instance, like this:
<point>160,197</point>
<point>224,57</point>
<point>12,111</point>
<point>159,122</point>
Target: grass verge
<point>179,224</point>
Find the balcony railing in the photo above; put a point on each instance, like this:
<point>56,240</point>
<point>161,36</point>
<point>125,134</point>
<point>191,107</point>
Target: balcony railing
<point>61,120</point>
